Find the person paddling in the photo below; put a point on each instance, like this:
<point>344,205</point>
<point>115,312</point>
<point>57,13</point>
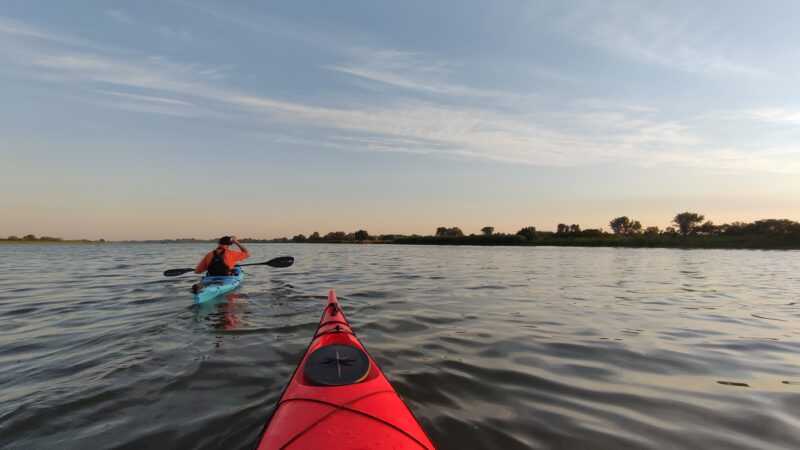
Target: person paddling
<point>222,260</point>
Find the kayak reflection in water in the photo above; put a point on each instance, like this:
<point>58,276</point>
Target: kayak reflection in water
<point>230,319</point>
<point>221,260</point>
<point>226,313</point>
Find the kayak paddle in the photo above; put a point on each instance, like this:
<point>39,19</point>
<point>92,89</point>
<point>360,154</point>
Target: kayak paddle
<point>281,261</point>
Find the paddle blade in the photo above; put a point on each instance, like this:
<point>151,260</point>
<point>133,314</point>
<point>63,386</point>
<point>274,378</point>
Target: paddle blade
<point>176,272</point>
<point>281,261</point>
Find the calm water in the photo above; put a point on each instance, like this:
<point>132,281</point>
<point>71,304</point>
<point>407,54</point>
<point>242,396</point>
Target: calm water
<point>492,348</point>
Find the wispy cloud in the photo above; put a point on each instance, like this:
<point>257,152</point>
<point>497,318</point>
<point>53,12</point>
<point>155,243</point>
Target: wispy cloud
<point>411,71</point>
<point>145,98</point>
<point>610,105</point>
<point>619,133</point>
<point>150,74</point>
<point>166,32</point>
<point>776,115</point>
<point>147,107</point>
<point>15,29</point>
<point>773,115</point>
<point>268,25</point>
<point>11,27</point>
<point>638,32</point>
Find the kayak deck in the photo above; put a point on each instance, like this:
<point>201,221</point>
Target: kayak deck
<point>337,402</point>
<point>214,286</point>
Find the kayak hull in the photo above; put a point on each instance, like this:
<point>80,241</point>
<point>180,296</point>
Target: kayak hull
<point>214,286</point>
<point>363,414</point>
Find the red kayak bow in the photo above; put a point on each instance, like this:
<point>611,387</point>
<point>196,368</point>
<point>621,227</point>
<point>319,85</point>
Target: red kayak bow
<point>339,399</point>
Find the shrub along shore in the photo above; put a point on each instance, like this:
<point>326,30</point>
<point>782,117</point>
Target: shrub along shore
<point>32,239</point>
<point>690,230</point>
<point>610,240</point>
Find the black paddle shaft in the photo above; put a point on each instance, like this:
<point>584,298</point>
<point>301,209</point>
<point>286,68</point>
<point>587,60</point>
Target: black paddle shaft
<point>279,262</point>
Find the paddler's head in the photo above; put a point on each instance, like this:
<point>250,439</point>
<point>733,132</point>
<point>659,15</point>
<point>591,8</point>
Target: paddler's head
<point>225,241</point>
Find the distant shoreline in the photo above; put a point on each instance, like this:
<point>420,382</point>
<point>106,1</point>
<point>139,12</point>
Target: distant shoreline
<point>65,241</point>
<point>690,232</point>
<point>684,242</point>
<point>687,242</point>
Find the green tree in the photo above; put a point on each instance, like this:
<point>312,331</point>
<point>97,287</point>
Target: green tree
<point>314,236</point>
<point>13,238</point>
<point>29,237</point>
<point>575,228</point>
<point>774,227</point>
<point>651,231</point>
<point>624,225</point>
<point>620,225</point>
<point>562,228</point>
<point>299,238</point>
<point>336,236</point>
<point>487,231</point>
<point>687,221</point>
<point>449,232</point>
<point>708,228</point>
<point>528,233</point>
<point>361,235</point>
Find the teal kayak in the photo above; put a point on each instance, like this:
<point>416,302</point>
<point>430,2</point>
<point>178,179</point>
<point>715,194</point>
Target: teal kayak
<point>214,286</point>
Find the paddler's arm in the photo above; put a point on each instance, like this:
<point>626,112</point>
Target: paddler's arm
<point>203,265</point>
<point>241,247</point>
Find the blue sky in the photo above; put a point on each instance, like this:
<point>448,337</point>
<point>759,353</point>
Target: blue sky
<point>157,119</point>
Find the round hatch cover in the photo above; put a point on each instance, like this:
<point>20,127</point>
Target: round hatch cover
<point>337,365</point>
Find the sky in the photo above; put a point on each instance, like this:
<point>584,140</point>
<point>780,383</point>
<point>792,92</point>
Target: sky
<point>169,118</point>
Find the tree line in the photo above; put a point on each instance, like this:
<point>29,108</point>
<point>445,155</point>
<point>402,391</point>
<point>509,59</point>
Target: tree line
<point>694,224</point>
<point>623,230</point>
<point>340,236</point>
<point>34,238</point>
<point>687,229</point>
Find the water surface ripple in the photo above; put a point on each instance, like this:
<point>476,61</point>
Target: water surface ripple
<point>492,348</point>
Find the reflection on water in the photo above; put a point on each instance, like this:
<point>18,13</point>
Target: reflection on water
<point>493,348</point>
<point>225,313</point>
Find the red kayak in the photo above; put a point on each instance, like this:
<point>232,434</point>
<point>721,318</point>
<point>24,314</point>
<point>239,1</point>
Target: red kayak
<point>339,399</point>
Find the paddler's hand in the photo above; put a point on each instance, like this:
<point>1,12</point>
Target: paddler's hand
<point>236,243</point>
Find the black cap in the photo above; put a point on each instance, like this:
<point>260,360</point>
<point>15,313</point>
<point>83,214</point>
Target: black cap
<point>225,240</point>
